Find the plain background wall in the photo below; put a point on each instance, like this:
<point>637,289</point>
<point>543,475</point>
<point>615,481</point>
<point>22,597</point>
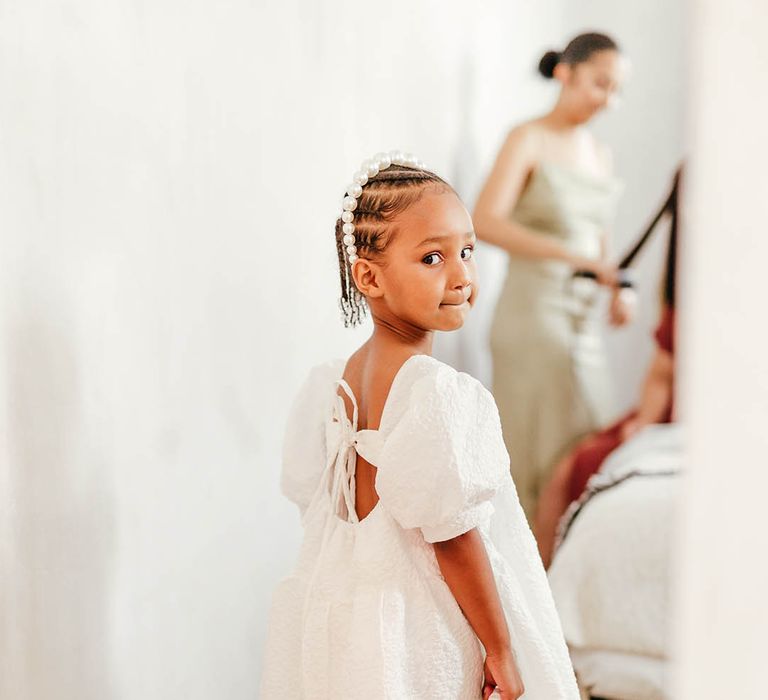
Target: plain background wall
<point>169,177</point>
<point>722,615</point>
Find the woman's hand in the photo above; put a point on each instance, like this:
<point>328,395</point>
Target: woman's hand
<point>501,675</point>
<point>605,273</point>
<point>623,304</point>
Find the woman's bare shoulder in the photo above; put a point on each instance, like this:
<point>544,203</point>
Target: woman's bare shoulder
<point>528,132</point>
<point>524,141</point>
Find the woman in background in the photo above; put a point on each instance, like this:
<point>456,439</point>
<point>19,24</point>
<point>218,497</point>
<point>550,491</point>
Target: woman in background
<point>548,202</point>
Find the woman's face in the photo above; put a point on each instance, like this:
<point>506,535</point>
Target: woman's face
<point>593,85</point>
<point>426,277</point>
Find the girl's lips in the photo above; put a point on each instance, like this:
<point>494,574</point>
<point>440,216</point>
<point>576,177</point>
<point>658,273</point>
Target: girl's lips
<point>462,302</point>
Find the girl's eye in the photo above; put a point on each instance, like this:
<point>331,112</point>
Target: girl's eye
<point>467,253</point>
<point>431,259</point>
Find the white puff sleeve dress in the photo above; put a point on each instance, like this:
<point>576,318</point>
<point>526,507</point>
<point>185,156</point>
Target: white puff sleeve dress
<point>366,614</point>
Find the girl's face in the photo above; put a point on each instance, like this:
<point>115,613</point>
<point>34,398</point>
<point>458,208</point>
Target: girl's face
<point>426,276</point>
<point>593,85</point>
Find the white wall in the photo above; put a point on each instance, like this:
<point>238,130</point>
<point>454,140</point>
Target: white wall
<point>722,615</point>
<point>169,178</point>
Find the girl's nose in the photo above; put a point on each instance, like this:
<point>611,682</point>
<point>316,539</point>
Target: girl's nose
<point>462,277</point>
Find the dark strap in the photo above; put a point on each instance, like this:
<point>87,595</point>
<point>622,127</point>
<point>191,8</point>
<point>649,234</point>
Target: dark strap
<point>669,207</point>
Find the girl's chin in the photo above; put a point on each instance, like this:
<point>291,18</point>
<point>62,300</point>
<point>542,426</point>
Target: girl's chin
<point>452,316</point>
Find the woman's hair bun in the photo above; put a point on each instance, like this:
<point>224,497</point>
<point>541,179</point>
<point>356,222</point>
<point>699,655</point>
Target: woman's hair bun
<point>548,62</point>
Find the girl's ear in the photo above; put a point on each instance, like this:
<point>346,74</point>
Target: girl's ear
<point>367,276</point>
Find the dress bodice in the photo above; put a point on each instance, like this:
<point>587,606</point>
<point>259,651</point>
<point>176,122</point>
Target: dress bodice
<point>575,207</point>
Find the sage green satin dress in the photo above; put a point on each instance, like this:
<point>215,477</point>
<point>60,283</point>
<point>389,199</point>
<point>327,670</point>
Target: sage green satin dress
<point>550,374</point>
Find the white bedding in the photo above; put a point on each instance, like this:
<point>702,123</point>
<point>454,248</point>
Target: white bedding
<point>610,576</point>
<point>613,674</point>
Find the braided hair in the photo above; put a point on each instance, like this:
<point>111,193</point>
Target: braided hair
<point>389,193</point>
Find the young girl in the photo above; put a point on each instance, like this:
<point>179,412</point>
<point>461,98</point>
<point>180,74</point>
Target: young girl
<point>418,578</point>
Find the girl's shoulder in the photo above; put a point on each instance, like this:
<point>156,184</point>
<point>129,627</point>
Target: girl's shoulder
<point>315,393</point>
<point>421,372</point>
<point>423,388</point>
<point>321,377</point>
<point>441,456</point>
<point>427,391</point>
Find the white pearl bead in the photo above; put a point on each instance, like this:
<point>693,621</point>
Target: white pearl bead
<point>348,228</point>
<point>349,239</point>
<point>350,203</point>
<point>383,160</point>
<point>351,250</point>
<point>373,169</point>
<point>360,178</point>
<point>395,156</point>
<point>347,217</point>
<point>352,259</point>
<point>354,190</point>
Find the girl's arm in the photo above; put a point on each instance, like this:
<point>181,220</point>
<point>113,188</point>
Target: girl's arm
<point>498,197</point>
<point>465,566</point>
<point>467,571</point>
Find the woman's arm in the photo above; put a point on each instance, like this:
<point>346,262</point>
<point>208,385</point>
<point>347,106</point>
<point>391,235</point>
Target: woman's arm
<point>657,394</point>
<point>657,390</point>
<point>502,189</point>
<point>498,197</point>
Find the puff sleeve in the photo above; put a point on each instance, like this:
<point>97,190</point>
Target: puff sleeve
<point>444,458</point>
<point>304,448</point>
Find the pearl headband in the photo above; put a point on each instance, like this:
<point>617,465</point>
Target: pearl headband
<point>368,170</point>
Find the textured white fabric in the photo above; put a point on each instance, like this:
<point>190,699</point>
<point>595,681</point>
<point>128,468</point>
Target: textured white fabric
<point>367,613</point>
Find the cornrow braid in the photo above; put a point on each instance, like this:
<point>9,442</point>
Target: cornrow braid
<point>389,193</point>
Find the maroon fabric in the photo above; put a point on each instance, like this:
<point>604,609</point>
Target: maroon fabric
<point>665,339</point>
<point>589,455</point>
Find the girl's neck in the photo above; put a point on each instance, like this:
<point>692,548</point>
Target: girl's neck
<point>390,339</point>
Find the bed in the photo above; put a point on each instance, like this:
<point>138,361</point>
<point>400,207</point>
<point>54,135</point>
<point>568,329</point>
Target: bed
<point>611,572</point>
